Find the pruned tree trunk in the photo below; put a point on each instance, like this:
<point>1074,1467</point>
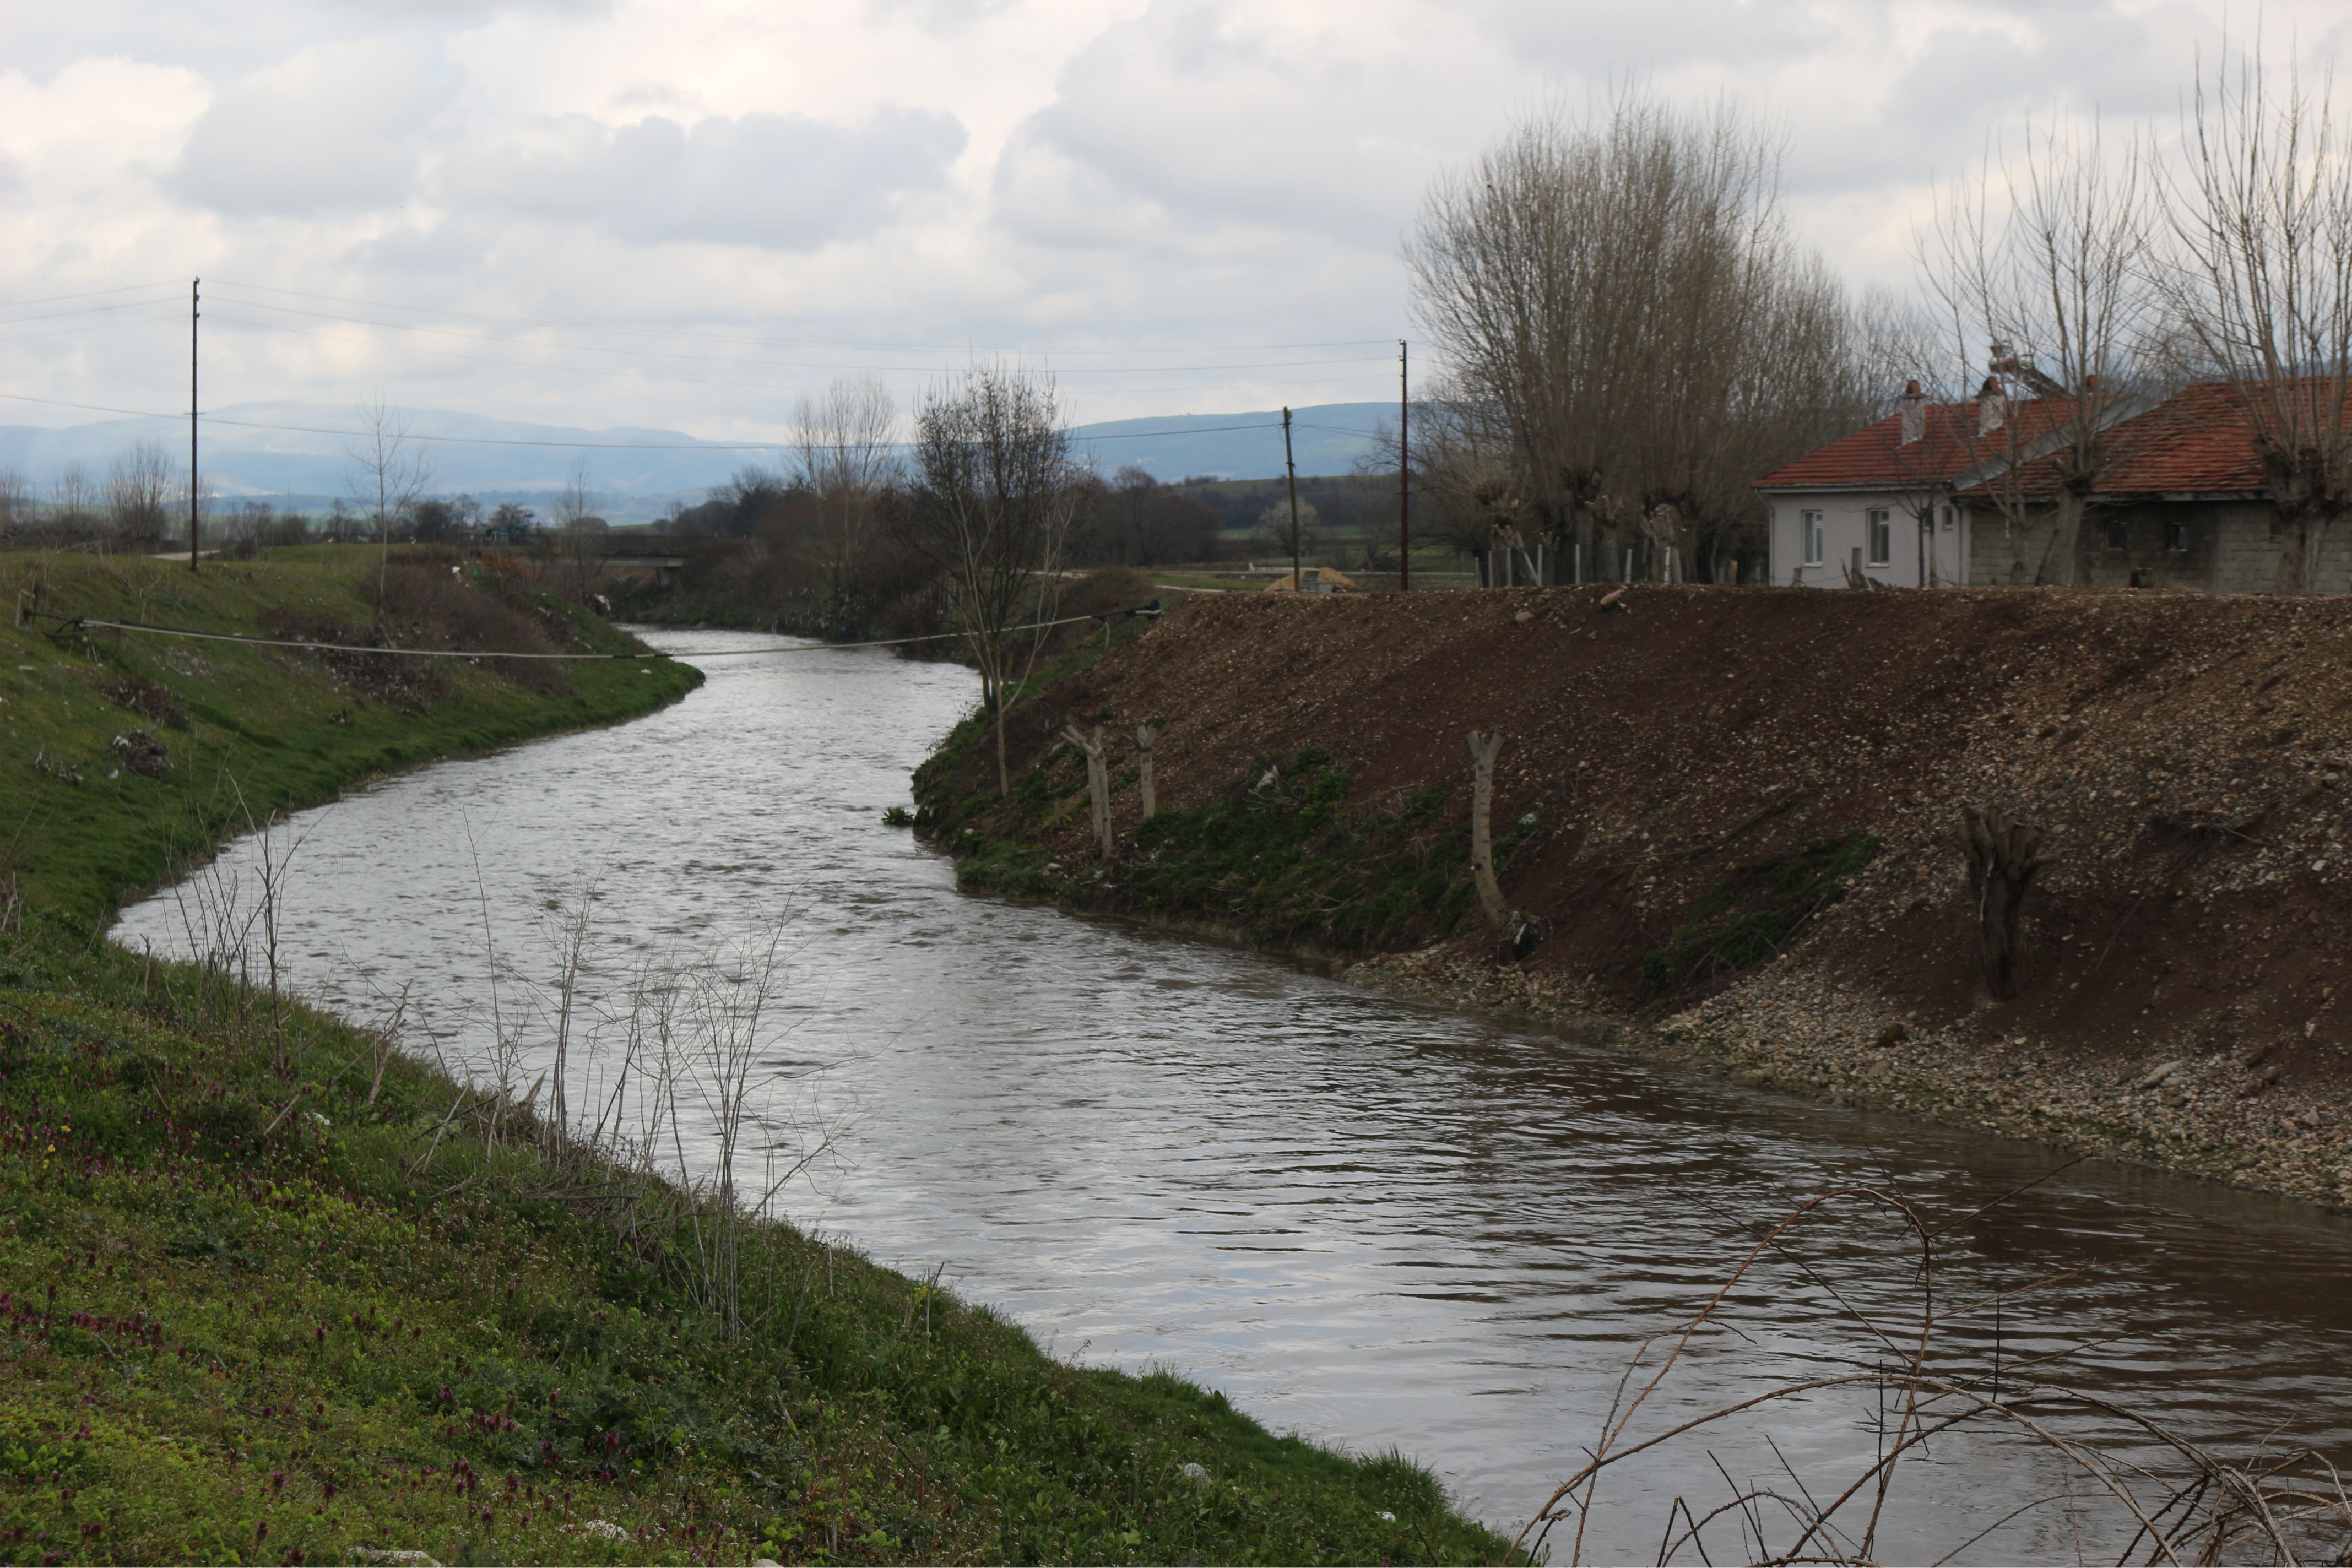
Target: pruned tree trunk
<point>1145,734</point>
<point>1485,747</point>
<point>2004,857</point>
<point>1097,780</point>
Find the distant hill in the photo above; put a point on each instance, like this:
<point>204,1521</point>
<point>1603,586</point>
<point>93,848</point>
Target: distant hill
<point>297,451</point>
<point>1327,438</point>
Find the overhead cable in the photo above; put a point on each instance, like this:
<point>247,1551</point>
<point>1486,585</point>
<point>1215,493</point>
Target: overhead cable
<point>808,342</point>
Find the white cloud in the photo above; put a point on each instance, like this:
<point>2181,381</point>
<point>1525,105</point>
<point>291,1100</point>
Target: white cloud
<point>989,173</point>
<point>337,128</point>
<point>1213,112</point>
<point>779,180</point>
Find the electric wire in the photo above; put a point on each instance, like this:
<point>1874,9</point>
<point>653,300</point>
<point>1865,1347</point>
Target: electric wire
<point>85,327</point>
<point>698,445</point>
<point>93,309</point>
<point>778,364</point>
<point>807,342</point>
<point>83,622</point>
<point>633,373</point>
<point>91,294</point>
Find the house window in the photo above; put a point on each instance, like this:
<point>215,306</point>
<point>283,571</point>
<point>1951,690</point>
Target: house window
<point>2118,533</point>
<point>1945,521</point>
<point>1882,536</point>
<point>2176,535</point>
<point>1809,524</point>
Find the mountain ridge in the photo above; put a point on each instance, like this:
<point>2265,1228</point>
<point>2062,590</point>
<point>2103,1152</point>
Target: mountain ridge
<point>297,453</point>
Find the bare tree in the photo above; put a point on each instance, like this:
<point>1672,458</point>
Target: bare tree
<point>997,493</point>
<point>1625,322</point>
<point>2041,267</point>
<point>575,503</point>
<point>390,472</point>
<point>844,441</point>
<point>2259,278</point>
<point>15,502</point>
<point>73,495</point>
<point>579,534</point>
<point>138,485</point>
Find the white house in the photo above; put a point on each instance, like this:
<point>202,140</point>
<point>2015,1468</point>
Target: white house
<point>1877,505</point>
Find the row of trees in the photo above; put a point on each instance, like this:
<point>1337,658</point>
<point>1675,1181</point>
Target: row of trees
<point>140,498</point>
<point>1630,335</point>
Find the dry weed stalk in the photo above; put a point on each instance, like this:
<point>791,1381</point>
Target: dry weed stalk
<point>2182,1504</point>
<point>676,1066</point>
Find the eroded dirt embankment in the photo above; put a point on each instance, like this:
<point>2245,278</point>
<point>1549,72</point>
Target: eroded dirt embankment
<point>2186,757</point>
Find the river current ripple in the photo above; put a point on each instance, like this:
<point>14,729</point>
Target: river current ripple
<point>1378,1224</point>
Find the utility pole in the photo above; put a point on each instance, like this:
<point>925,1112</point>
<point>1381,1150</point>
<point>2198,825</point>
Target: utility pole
<point>194,284</point>
<point>1404,479</point>
<point>1292,469</point>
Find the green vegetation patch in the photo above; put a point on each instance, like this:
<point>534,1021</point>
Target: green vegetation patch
<point>257,1306</point>
<point>1279,856</point>
<point>123,756</point>
<point>1751,916</point>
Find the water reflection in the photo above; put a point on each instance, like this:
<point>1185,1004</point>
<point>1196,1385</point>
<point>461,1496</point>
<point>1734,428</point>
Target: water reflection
<point>1377,1223</point>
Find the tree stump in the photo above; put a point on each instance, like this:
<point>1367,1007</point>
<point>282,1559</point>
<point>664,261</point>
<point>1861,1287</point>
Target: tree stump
<point>1145,734</point>
<point>2004,857</point>
<point>1097,780</point>
<point>1484,749</point>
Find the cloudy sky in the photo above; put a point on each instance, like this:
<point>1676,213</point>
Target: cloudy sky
<point>683,213</point>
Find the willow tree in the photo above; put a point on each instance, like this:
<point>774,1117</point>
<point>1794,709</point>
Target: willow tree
<point>1624,322</point>
<point>995,495</point>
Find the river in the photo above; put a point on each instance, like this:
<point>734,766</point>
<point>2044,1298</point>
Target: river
<point>1378,1224</point>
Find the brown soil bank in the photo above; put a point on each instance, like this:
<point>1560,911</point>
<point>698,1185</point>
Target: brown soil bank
<point>1733,815</point>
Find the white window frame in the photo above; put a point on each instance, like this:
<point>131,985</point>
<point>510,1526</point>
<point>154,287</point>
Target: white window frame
<point>1812,537</point>
<point>1878,532</point>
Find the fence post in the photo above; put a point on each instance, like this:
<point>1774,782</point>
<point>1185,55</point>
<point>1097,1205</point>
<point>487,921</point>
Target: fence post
<point>1484,749</point>
<point>1097,780</point>
<point>1145,734</point>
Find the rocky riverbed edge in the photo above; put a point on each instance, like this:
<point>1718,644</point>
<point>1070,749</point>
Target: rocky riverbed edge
<point>2225,1119</point>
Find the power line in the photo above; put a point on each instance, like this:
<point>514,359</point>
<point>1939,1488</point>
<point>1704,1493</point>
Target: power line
<point>698,445</point>
<point>80,623</point>
<point>85,310</point>
<point>89,293</point>
<point>778,364</point>
<point>634,372</point>
<point>812,342</point>
<point>101,326</point>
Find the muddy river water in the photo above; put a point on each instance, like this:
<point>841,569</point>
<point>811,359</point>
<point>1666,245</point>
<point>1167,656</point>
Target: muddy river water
<point>1378,1224</point>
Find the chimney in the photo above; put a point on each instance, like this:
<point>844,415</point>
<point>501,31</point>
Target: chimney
<point>1915,413</point>
<point>1992,406</point>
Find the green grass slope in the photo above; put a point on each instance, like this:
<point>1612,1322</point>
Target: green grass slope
<point>245,731</point>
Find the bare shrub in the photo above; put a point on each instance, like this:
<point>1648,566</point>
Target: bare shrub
<point>432,599</point>
<point>2127,1479</point>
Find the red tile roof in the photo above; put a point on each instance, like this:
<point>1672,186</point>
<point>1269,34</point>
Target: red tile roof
<point>2201,440</point>
<point>1877,455</point>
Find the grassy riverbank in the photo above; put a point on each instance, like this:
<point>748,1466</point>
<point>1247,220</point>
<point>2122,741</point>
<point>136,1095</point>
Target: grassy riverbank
<point>129,755</point>
<point>1727,819</point>
<point>272,1292</point>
